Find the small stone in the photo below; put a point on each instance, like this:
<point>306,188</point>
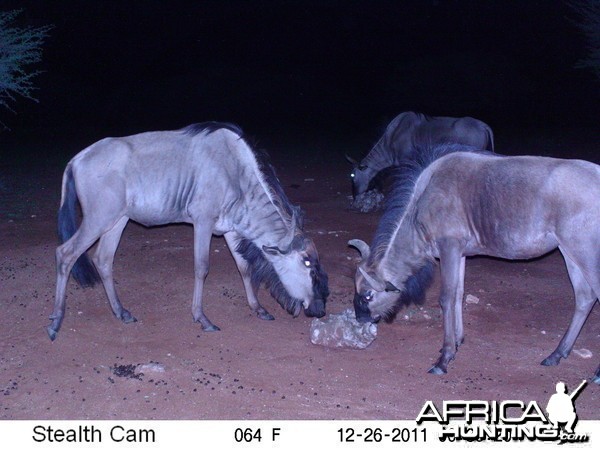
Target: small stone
<point>583,353</point>
<point>150,367</point>
<point>471,299</point>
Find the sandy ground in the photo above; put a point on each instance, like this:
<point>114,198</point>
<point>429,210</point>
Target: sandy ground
<point>255,369</point>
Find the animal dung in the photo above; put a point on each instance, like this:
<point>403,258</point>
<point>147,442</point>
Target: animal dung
<point>342,331</point>
<point>368,201</point>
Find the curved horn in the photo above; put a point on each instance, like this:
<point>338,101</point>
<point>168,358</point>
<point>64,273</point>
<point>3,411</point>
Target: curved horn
<point>379,286</point>
<point>361,246</point>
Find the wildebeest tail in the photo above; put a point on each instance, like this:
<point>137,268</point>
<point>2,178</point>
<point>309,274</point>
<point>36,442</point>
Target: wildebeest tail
<point>83,270</point>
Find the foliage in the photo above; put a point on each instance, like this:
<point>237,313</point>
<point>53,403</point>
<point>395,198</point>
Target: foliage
<point>19,49</point>
<point>589,23</point>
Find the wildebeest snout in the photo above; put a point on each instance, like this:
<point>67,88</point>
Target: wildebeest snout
<point>316,308</point>
<point>361,310</point>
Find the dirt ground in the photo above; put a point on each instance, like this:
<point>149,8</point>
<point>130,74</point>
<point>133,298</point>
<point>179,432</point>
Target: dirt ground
<point>255,369</point>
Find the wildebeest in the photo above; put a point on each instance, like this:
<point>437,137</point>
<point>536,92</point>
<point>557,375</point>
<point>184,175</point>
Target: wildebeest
<point>410,131</point>
<point>460,203</point>
<point>207,175</point>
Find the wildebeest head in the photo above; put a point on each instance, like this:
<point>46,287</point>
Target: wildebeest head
<point>304,282</point>
<point>375,298</point>
<point>361,176</point>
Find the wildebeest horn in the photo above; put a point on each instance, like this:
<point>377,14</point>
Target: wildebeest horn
<point>351,160</point>
<point>361,246</point>
<point>379,286</point>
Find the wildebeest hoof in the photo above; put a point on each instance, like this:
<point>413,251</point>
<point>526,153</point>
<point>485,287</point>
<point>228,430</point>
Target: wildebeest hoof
<point>126,317</point>
<point>437,370</point>
<point>52,333</point>
<point>264,315</point>
<point>596,379</point>
<point>211,327</point>
<point>551,360</point>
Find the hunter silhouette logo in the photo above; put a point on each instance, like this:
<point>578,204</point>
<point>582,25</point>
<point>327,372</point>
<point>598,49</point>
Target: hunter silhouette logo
<point>561,406</point>
<point>509,420</point>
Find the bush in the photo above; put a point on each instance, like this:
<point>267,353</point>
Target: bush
<point>19,49</point>
<point>589,23</point>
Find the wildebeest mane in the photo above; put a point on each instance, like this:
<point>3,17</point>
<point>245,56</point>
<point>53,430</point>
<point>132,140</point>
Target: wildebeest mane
<point>404,178</point>
<point>210,127</point>
<point>403,182</point>
<point>263,162</point>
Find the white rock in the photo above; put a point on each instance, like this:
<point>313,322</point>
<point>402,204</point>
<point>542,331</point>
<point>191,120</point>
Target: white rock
<point>583,353</point>
<point>150,367</point>
<point>472,299</point>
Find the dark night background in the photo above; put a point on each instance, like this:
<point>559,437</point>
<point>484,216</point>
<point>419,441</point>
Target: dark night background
<point>300,71</point>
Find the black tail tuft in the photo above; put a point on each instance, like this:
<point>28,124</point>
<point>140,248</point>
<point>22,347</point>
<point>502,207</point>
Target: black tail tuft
<point>83,270</point>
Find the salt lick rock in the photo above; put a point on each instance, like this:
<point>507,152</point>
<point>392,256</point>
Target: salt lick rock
<point>342,331</point>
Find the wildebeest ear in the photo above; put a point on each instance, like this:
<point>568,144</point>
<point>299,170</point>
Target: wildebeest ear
<point>351,160</point>
<point>376,284</point>
<point>361,246</point>
<point>389,287</point>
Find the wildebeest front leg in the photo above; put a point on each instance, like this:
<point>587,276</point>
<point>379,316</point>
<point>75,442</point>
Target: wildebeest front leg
<point>251,291</point>
<point>584,301</point>
<point>450,269</point>
<point>202,237</point>
<point>103,260</point>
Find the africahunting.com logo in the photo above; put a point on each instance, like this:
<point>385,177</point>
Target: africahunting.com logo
<point>511,420</point>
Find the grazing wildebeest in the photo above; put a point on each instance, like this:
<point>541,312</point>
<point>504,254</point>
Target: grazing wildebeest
<point>410,131</point>
<point>460,203</point>
<point>207,175</point>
